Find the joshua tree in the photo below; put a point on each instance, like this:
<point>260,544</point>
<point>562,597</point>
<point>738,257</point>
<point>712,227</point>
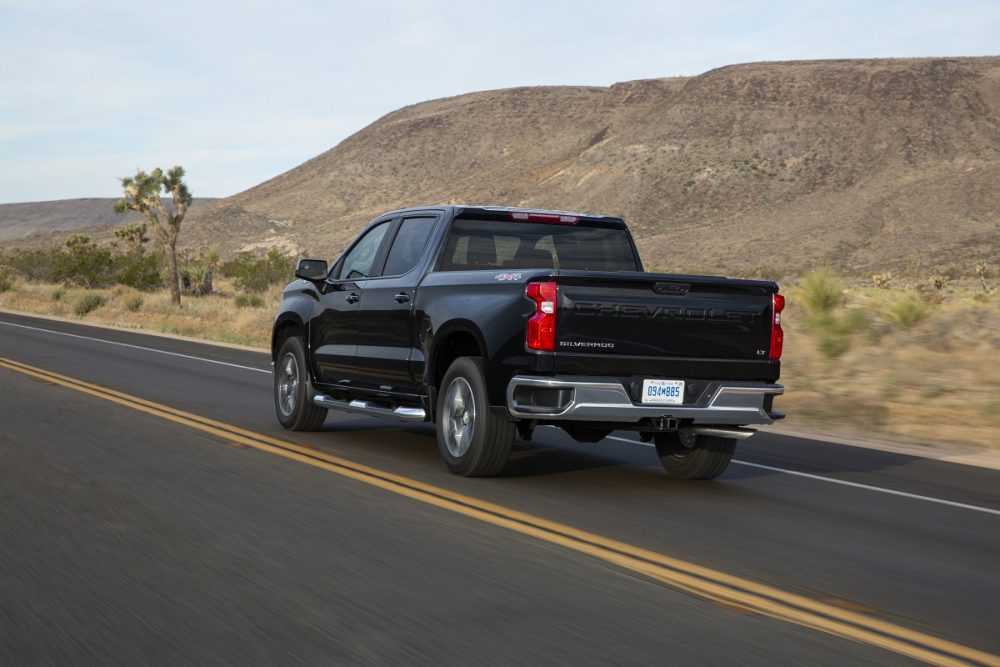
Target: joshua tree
<point>133,235</point>
<point>142,193</point>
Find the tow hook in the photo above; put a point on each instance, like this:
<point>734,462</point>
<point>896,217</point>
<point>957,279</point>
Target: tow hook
<point>665,423</point>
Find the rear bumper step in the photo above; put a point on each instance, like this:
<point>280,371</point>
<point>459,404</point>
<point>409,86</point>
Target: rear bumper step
<point>720,431</point>
<point>598,400</point>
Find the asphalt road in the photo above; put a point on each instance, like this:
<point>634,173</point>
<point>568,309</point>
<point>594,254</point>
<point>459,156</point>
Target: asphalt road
<point>128,536</point>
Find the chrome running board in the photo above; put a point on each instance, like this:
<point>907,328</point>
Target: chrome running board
<point>365,408</point>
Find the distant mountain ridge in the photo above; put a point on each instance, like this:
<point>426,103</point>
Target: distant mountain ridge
<point>865,165</point>
<point>46,219</point>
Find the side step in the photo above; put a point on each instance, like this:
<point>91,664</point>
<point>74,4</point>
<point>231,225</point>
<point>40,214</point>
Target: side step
<point>365,408</point>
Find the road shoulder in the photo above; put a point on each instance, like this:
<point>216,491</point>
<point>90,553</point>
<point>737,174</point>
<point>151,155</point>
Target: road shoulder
<point>963,454</point>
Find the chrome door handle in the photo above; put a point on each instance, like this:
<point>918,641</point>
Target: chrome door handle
<point>402,297</point>
<point>352,298</point>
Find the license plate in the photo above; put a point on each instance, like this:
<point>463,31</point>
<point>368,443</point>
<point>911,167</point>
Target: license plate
<point>663,392</point>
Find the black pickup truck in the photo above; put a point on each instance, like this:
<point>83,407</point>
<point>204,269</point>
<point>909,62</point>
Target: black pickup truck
<point>491,321</point>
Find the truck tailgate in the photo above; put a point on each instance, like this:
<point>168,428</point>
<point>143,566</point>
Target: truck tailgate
<point>649,324</point>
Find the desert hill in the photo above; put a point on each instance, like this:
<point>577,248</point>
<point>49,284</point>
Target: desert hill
<point>867,165</point>
<point>52,219</point>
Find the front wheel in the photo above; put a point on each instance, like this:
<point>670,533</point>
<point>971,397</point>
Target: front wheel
<point>472,440</point>
<point>291,390</point>
<point>690,456</point>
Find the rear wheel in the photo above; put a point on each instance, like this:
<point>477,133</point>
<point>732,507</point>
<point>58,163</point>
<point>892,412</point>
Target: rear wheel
<point>291,390</point>
<point>690,456</point>
<point>472,440</point>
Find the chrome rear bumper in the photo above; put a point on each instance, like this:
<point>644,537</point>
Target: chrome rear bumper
<point>596,399</point>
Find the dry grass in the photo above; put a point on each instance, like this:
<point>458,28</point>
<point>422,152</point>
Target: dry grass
<point>858,370</point>
<point>212,317</point>
<point>932,378</point>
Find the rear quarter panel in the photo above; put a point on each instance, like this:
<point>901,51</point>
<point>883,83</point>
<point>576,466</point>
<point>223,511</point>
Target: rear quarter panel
<point>491,306</point>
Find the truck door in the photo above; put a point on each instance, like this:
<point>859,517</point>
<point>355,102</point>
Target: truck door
<point>334,333</point>
<point>385,324</point>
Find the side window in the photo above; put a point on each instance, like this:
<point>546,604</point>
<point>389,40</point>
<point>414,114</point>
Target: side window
<point>470,249</point>
<point>408,245</point>
<point>359,261</point>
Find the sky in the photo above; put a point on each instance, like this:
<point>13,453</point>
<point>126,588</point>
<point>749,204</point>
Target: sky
<point>239,92</point>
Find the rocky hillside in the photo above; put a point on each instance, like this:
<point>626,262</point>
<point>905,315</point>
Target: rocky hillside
<point>767,168</point>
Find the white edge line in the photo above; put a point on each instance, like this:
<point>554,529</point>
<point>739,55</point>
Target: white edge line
<point>831,480</point>
<point>892,492</point>
<point>138,347</point>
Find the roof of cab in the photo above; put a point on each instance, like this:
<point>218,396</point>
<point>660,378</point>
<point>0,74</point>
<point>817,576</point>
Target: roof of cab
<point>465,209</point>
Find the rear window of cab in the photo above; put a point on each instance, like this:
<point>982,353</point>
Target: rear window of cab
<point>490,244</point>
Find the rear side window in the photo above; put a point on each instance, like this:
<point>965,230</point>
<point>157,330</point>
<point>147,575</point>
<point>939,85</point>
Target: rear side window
<point>489,244</point>
<point>408,246</point>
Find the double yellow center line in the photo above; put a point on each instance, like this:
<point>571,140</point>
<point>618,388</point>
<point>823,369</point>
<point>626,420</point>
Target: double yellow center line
<point>711,584</point>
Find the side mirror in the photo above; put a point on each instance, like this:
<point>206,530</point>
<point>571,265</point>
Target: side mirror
<point>311,269</point>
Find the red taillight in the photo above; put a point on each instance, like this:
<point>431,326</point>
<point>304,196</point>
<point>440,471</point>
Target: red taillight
<point>554,218</point>
<point>541,333</point>
<point>777,335</point>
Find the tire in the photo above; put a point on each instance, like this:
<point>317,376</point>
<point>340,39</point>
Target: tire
<point>472,440</point>
<point>292,403</point>
<point>689,456</point>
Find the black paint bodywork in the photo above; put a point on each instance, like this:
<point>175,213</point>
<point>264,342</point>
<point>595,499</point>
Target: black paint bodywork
<point>383,338</point>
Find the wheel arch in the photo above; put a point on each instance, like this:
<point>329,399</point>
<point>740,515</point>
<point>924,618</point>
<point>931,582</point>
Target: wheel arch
<point>458,338</point>
<point>287,324</point>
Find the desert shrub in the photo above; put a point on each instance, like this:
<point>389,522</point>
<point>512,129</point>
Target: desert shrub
<point>906,310</point>
<point>33,265</point>
<point>139,270</point>
<point>6,279</point>
<point>133,235</point>
<point>249,301</point>
<point>196,279</point>
<point>883,280</point>
<point>834,335</point>
<point>832,344</point>
<point>831,340</point>
<point>938,282</point>
<point>256,274</point>
<point>197,273</point>
<point>983,272</point>
<point>855,320</point>
<point>833,331</point>
<point>236,266</point>
<point>82,262</point>
<point>821,291</point>
<point>88,303</point>
<point>134,303</point>
<point>58,293</point>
